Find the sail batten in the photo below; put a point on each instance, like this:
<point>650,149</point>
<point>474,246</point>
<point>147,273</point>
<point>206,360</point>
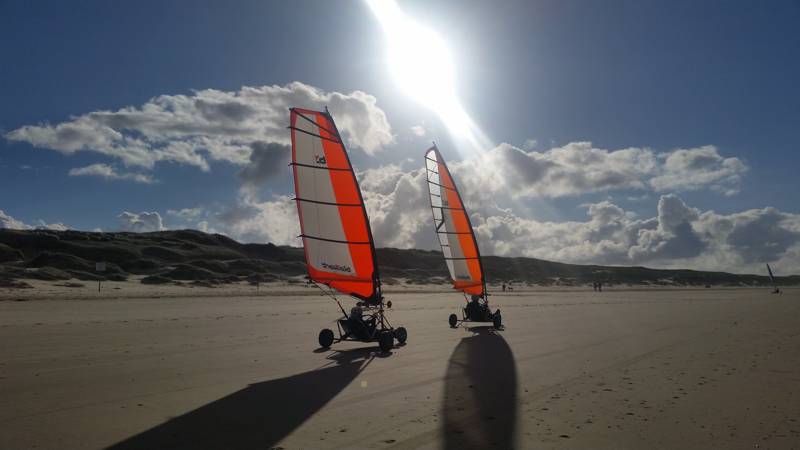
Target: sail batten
<point>337,240</point>
<point>453,228</point>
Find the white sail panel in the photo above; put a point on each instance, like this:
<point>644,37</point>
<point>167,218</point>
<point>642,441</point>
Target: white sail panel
<point>454,231</point>
<point>335,230</point>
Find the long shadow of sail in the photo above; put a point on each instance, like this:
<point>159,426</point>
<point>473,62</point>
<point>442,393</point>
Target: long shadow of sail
<point>257,416</point>
<point>480,394</point>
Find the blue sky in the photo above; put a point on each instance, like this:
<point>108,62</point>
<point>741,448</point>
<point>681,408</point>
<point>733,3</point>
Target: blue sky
<point>621,74</point>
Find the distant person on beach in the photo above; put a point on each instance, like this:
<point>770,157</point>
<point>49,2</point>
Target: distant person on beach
<point>599,286</point>
<point>504,287</point>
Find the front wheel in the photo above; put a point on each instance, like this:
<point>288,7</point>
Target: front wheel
<point>325,338</point>
<point>386,342</point>
<point>401,334</point>
<point>453,320</point>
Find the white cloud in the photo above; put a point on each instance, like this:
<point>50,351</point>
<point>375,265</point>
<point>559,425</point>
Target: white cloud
<point>208,125</point>
<point>11,223</point>
<point>419,130</point>
<point>579,167</point>
<point>109,173</point>
<point>697,168</point>
<point>266,160</point>
<point>186,213</point>
<point>251,220</point>
<point>41,224</point>
<point>142,222</point>
<point>6,221</point>
<point>678,236</point>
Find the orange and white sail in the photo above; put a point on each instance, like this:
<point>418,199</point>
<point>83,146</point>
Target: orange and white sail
<point>453,227</point>
<point>335,229</point>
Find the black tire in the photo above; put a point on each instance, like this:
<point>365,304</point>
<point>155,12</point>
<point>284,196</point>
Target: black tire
<point>497,320</point>
<point>401,335</point>
<point>325,338</point>
<point>453,319</point>
<point>386,342</point>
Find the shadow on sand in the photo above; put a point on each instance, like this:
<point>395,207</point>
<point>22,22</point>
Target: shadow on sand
<point>480,394</point>
<point>258,416</point>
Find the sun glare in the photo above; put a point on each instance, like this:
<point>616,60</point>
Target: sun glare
<point>420,63</point>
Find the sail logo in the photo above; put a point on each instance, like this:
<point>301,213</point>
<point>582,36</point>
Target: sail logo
<point>464,277</point>
<point>320,159</point>
<point>336,267</point>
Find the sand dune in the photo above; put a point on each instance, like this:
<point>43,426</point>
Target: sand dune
<point>196,258</point>
<point>623,369</point>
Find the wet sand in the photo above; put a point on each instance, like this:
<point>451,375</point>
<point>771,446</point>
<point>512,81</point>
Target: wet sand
<point>195,369</point>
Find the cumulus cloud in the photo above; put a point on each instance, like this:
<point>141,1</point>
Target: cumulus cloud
<point>142,222</point>
<point>678,237</point>
<point>266,160</point>
<point>579,168</point>
<point>692,169</point>
<point>251,220</point>
<point>6,221</point>
<point>208,125</point>
<point>109,173</point>
<point>11,223</point>
<point>186,213</point>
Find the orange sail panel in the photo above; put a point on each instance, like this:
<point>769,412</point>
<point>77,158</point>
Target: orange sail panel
<point>453,227</point>
<point>333,221</point>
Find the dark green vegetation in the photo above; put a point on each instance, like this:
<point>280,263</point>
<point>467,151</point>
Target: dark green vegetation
<point>208,259</point>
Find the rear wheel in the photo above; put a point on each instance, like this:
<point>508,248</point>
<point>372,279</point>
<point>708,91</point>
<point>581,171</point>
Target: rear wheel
<point>453,320</point>
<point>401,334</point>
<point>325,338</point>
<point>386,342</point>
<point>497,320</point>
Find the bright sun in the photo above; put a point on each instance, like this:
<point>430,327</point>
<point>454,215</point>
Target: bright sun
<point>420,63</point>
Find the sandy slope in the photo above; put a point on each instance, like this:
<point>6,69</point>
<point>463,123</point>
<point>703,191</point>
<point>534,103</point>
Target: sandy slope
<point>621,369</point>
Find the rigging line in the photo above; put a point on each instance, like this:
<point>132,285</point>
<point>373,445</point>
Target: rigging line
<point>326,203</point>
<point>315,135</point>
<point>317,238</point>
<point>315,123</point>
<point>441,185</point>
<point>340,169</point>
<point>330,294</point>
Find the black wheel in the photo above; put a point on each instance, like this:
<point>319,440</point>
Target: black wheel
<point>386,341</point>
<point>401,335</point>
<point>497,320</point>
<point>325,338</point>
<point>453,320</point>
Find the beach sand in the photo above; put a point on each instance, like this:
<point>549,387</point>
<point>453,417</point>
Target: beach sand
<point>157,367</point>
